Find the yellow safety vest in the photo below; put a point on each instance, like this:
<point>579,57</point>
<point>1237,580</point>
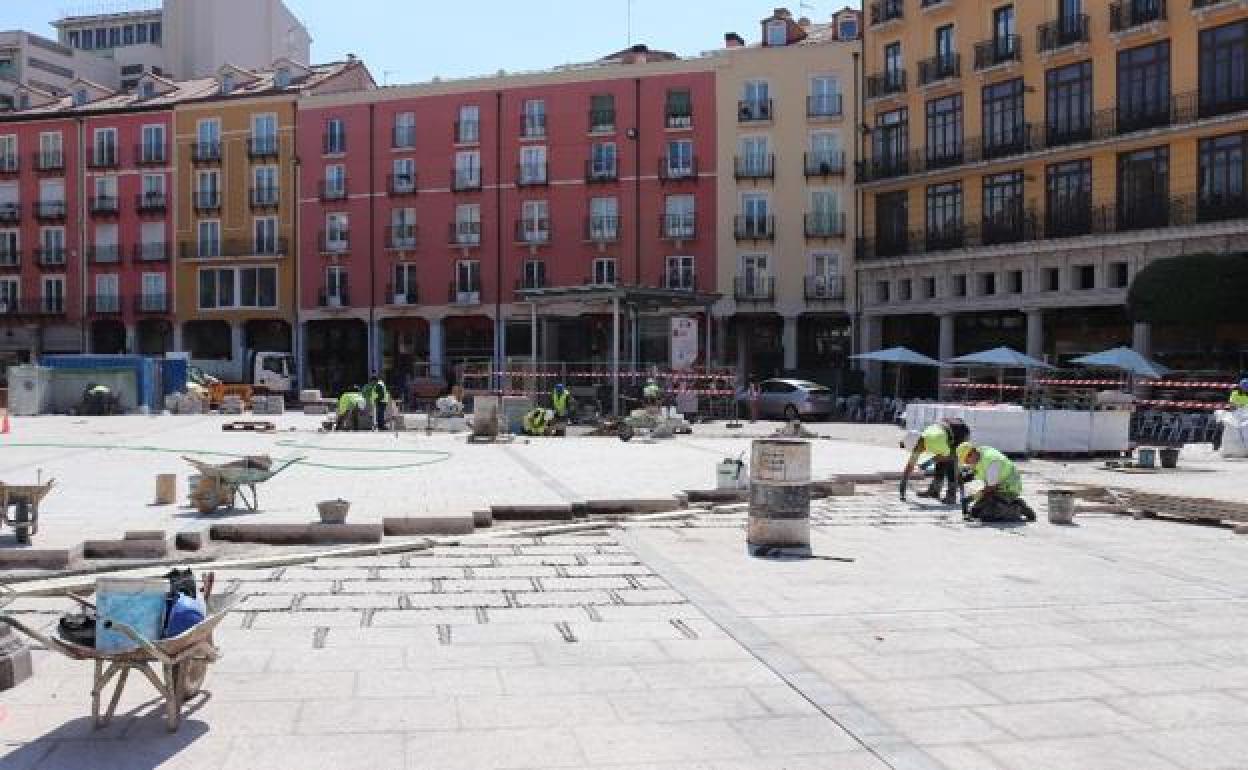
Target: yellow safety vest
<point>1239,399</point>
<point>560,402</point>
<point>936,441</point>
<point>1008,480</point>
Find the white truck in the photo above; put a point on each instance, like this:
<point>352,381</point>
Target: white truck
<point>264,373</point>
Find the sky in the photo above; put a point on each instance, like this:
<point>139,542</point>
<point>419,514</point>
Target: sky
<point>405,41</point>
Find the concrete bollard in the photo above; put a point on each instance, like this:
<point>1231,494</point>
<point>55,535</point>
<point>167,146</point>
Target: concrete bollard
<point>779,518</point>
<point>166,488</point>
<point>15,664</point>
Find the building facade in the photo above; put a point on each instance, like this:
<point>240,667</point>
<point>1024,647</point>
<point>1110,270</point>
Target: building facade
<point>425,208</point>
<point>29,61</point>
<point>1022,162</point>
<point>787,109</point>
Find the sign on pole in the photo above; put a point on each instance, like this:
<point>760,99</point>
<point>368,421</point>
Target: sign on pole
<point>684,343</point>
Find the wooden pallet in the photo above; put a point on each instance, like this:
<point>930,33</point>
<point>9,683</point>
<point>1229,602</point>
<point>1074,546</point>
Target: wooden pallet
<point>254,426</point>
<point>1198,508</point>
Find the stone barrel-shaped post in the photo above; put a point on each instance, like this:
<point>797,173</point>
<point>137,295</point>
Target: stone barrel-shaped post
<point>779,521</point>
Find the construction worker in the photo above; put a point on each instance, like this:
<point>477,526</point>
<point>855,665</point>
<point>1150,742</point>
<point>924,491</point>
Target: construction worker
<point>560,400</point>
<point>536,421</point>
<point>352,407</point>
<point>377,396</point>
<point>1000,498</point>
<point>652,394</point>
<point>97,400</point>
<point>940,440</point>
<point>1239,395</point>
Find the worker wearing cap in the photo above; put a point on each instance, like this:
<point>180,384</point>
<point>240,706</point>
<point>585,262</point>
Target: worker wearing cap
<point>1000,498</point>
<point>651,393</point>
<point>940,440</point>
<point>351,406</point>
<point>1239,395</point>
<point>559,400</point>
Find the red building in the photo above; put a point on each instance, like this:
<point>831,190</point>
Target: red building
<point>425,208</point>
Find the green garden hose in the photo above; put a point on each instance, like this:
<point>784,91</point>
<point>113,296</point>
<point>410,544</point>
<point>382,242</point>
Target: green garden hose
<point>433,456</point>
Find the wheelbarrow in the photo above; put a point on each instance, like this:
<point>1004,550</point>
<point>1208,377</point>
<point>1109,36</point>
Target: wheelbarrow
<point>24,501</point>
<point>221,486</point>
<point>183,660</point>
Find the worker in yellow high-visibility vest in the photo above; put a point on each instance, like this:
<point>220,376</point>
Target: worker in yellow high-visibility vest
<point>1239,395</point>
<point>1001,496</point>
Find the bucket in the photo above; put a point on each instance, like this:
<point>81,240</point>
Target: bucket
<point>1061,506</point>
<point>730,474</point>
<point>333,511</point>
<point>1169,458</point>
<point>779,517</point>
<point>166,488</point>
<point>1146,457</point>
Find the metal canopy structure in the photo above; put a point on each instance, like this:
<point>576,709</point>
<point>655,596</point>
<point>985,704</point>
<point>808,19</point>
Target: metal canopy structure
<point>636,299</point>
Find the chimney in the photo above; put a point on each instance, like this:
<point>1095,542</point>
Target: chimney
<point>733,40</point>
<point>804,22</point>
<point>781,13</point>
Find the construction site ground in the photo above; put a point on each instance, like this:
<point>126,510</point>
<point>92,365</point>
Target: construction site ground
<point>912,640</point>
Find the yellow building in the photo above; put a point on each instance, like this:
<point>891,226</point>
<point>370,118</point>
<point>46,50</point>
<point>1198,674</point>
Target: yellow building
<point>1022,162</point>
<point>236,204</point>
<point>787,110</point>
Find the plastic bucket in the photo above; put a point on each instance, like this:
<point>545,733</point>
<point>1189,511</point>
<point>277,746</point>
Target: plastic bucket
<point>1146,457</point>
<point>1169,458</point>
<point>1061,506</point>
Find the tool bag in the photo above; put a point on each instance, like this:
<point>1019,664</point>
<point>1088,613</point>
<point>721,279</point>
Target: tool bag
<point>77,628</point>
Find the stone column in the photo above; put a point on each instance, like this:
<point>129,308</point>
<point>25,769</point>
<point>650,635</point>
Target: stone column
<point>15,666</point>
<point>437,349</point>
<point>789,341</point>
<point>948,328</point>
<point>1142,338</point>
<point>177,338</point>
<point>1035,333</point>
<point>132,338</point>
<point>743,350</point>
<point>872,337</point>
<point>378,346</point>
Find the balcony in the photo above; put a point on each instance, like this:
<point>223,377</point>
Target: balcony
<point>754,228</point>
<point>1062,33</point>
<point>755,167</point>
<point>205,249</point>
<point>10,164</point>
<point>401,237</point>
<point>998,51</point>
<point>680,278</point>
<point>825,224</point>
<point>403,137</point>
<point>408,294</point>
<point>104,159</point>
<point>263,147</point>
<point>533,278</point>
<point>104,304</point>
<point>333,191</point>
<point>39,306</point>
<point>1213,207</point>
<point>333,144</point>
<point>464,294</point>
<point>10,213</point>
<point>1200,5</point>
<point>885,84</point>
<point>824,164</point>
<point>532,126</point>
<point>1013,225</point>
<point>49,161</point>
<point>401,184</point>
<point>1145,212</point>
<point>205,202</point>
<point>602,229</point>
<point>601,173</point>
<point>206,152</point>
<point>824,288</point>
<point>255,247</point>
<point>601,121</point>
<point>151,203</point>
<point>466,181</point>
<point>10,259</point>
<point>50,211</point>
<point>150,154</point>
<point>464,234</point>
<point>887,10</point>
<point>53,256</point>
<point>264,197</point>
<point>153,303</point>
<point>533,231</point>
<point>678,119</point>
<point>678,227</point>
<point>467,132</point>
<point>940,68</point>
<point>670,172</point>
<point>109,254</point>
<point>824,106</point>
<point>754,111</point>
<point>104,206</point>
<point>338,296</point>
<point>151,252</point>
<point>531,174</point>
<point>945,237</point>
<point>338,242</point>
<point>757,288</point>
<point>1128,15</point>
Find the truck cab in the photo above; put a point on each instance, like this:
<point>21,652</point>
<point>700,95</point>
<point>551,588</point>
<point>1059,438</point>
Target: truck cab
<point>273,373</point>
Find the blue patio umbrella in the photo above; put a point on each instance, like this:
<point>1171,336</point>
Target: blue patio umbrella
<point>1124,359</point>
<point>901,357</point>
<point>1001,358</point>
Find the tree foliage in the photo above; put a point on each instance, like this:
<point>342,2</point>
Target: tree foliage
<point>1196,288</point>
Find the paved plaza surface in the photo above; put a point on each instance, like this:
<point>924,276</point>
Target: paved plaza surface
<point>912,640</point>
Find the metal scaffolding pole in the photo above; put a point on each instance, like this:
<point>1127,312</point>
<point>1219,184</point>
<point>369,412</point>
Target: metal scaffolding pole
<point>615,357</point>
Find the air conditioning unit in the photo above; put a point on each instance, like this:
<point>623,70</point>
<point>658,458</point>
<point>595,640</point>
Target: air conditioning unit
<point>333,300</point>
<point>400,298</point>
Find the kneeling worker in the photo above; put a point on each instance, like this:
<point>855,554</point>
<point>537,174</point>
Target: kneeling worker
<point>351,406</point>
<point>536,422</point>
<point>1001,498</point>
<point>940,440</point>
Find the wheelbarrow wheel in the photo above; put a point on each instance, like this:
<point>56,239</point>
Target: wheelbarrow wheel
<point>22,522</point>
<point>189,677</point>
<point>626,432</point>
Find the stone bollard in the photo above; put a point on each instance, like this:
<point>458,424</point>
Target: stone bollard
<point>15,666</point>
<point>779,519</point>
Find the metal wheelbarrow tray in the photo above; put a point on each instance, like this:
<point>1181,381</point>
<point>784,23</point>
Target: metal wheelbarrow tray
<point>183,661</point>
<point>233,480</point>
<point>24,499</point>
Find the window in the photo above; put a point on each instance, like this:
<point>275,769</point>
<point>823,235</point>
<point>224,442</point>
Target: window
<point>825,273</point>
<point>468,281</point>
<point>533,123</point>
<point>533,165</point>
<point>265,238</point>
<point>824,218</point>
<point>891,223</point>
<point>987,284</point>
<point>114,37</point>
<point>680,275</point>
<point>140,33</point>
<point>777,32</point>
<point>10,294</point>
<point>335,137</point>
<point>825,152</point>
<point>679,222</point>
<point>406,289</point>
<point>208,139</point>
<point>535,222</point>
<point>153,298</point>
<point>107,293</point>
<point>51,154</point>
<point>147,89</point>
<point>1144,87</point>
<point>1068,103</point>
<point>106,244</point>
<point>468,127</point>
<point>10,253</point>
<point>105,147</point>
<point>1068,198</point>
<point>534,274</point>
<point>753,159</point>
<point>467,170</point>
<point>1084,277</point>
<point>602,161</point>
<point>209,238</point>
<point>264,134</point>
<point>848,29</point>
<point>1052,279</point>
<point>240,287</point>
<point>604,271</point>
<point>893,65</point>
<point>154,32</point>
<point>1222,178</point>
<point>52,240</point>
<point>403,228</point>
<point>467,224</point>
<point>1005,131</point>
<point>74,39</point>
<point>8,153</point>
<point>53,294</point>
<point>337,232</point>
<point>80,97</point>
<point>1003,208</point>
<point>604,219</point>
<point>680,159</point>
<point>891,140</point>
<point>1014,281</point>
<point>825,97</point>
<point>905,290</point>
<point>1119,275</point>
<point>755,219</point>
<point>1004,31</point>
<point>153,145</point>
<point>755,277</point>
<point>335,182</point>
<point>602,113</point>
<point>944,131</point>
<point>52,191</point>
<point>944,215</point>
<point>105,193</point>
<point>678,108</point>
<point>929,287</point>
<point>127,35</point>
<point>207,189</point>
<point>152,242</point>
<point>336,290</point>
<point>958,287</point>
<point>405,129</point>
<point>756,101</point>
<point>945,48</point>
<point>1144,188</point>
<point>1224,69</point>
<point>265,185</point>
<point>227,82</point>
